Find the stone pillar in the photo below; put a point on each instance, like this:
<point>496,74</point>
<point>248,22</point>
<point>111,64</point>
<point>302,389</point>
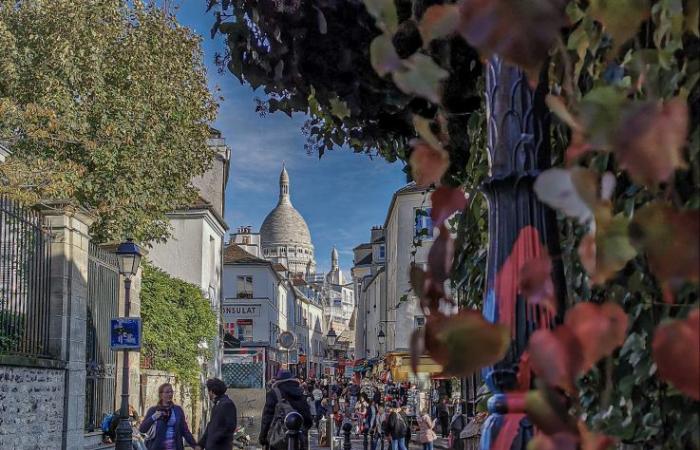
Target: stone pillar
<point>68,310</point>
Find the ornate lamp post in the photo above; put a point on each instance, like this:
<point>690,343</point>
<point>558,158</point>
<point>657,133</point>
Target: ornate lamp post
<point>129,256</point>
<point>521,229</point>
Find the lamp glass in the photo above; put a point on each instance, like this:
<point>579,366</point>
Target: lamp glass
<point>331,337</point>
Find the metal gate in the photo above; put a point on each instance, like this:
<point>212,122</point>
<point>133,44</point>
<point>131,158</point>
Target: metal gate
<point>100,361</point>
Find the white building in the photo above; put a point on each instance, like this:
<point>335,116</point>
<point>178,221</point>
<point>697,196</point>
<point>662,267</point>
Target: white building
<point>370,281</point>
<point>257,303</point>
<point>407,229</point>
<point>340,296</point>
<point>194,251</point>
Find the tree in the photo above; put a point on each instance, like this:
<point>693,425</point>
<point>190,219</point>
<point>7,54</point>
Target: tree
<point>314,57</point>
<point>105,103</point>
<point>177,320</point>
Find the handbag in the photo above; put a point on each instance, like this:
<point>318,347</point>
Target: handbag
<point>150,435</point>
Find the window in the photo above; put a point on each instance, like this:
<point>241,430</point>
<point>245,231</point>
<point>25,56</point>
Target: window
<point>381,252</point>
<point>245,286</point>
<point>244,329</point>
<point>424,224</point>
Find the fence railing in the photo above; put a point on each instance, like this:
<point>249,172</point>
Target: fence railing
<point>25,269</point>
<point>100,360</point>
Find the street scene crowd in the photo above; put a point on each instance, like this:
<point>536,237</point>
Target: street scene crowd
<point>367,413</point>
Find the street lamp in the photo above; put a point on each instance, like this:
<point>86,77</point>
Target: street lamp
<point>331,336</point>
<point>129,257</point>
<point>381,337</point>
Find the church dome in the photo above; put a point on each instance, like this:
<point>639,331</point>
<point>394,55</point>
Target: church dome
<point>284,224</point>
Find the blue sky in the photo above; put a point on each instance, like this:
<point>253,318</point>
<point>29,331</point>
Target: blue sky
<point>341,196</point>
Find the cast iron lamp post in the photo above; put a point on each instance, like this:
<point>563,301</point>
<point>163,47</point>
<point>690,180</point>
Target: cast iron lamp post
<point>129,257</point>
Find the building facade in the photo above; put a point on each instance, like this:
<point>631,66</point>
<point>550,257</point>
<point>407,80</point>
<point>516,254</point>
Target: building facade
<point>193,253</point>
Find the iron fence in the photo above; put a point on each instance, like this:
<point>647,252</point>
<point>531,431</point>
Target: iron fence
<point>25,268</point>
<point>100,360</point>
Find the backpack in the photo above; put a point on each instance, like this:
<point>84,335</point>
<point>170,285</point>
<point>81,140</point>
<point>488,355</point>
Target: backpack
<point>277,434</point>
<point>106,421</point>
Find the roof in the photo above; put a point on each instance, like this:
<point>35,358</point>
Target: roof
<point>365,245</point>
<point>365,261</point>
<point>410,188</point>
<point>279,267</point>
<point>201,203</point>
<point>284,224</point>
<point>234,254</point>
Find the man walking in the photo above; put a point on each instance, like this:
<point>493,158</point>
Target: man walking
<point>221,426</point>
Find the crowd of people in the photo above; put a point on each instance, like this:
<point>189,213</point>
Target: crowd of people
<point>389,413</point>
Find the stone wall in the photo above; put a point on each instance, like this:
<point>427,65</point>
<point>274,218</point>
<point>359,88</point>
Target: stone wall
<point>31,408</point>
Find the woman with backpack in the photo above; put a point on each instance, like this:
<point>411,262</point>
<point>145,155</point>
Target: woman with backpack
<point>165,424</point>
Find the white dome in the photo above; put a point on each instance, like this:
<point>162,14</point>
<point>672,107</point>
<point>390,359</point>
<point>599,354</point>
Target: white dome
<point>284,224</point>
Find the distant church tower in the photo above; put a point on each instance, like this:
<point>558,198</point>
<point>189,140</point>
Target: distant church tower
<point>285,235</point>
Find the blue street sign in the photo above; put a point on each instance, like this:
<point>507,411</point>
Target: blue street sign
<point>125,333</point>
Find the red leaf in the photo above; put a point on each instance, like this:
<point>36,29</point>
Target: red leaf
<point>650,139</point>
<point>441,255</point>
<point>671,241</point>
<point>428,164</point>
<point>438,21</point>
<point>600,329</point>
<point>417,346</point>
<point>558,441</point>
<point>520,31</point>
<point>445,202</point>
<point>555,357</point>
<point>548,411</point>
<point>535,283</point>
<point>465,342</point>
<point>594,441</point>
<point>676,351</point>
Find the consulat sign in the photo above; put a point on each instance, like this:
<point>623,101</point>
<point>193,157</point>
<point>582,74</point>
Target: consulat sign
<point>232,312</point>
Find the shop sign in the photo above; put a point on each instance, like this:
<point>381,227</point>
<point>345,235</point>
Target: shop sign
<point>230,313</point>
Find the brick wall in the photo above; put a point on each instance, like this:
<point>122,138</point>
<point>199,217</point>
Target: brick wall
<point>31,408</point>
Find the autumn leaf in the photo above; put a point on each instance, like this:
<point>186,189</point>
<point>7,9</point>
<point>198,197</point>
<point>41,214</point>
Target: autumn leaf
<point>428,164</point>
<point>599,328</point>
<point>611,249</point>
<point>465,342</point>
<point>558,441</point>
<point>670,240</point>
<point>521,31</point>
<point>445,202</point>
<point>555,357</point>
<point>421,76</point>
<point>383,56</point>
<point>590,332</point>
<point>438,21</point>
<point>548,411</point>
<point>535,283</point>
<point>594,441</point>
<point>558,107</point>
<point>676,352</point>
<point>555,187</point>
<point>441,255</point>
<point>417,346</point>
<point>650,140</point>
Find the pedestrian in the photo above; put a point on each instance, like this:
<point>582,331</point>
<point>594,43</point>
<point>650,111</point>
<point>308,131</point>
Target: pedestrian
<point>165,423</point>
<point>444,417</point>
<point>395,427</point>
<point>288,388</point>
<point>457,424</point>
<point>426,430</point>
<point>218,434</point>
<point>317,395</point>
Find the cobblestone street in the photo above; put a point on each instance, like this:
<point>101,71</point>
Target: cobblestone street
<point>356,441</point>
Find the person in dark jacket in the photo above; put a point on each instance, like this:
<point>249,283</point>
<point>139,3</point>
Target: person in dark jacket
<point>219,432</point>
<point>395,427</point>
<point>291,391</point>
<point>443,413</point>
<point>169,420</point>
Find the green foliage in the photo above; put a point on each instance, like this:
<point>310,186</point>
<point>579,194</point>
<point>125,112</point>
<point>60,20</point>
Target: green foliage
<point>177,320</point>
<point>105,102</point>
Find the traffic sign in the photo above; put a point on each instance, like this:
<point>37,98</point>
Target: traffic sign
<point>125,333</point>
<point>287,339</point>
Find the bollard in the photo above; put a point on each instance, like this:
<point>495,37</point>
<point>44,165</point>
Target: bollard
<point>293,423</point>
<point>365,438</point>
<point>347,427</point>
<point>381,439</point>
